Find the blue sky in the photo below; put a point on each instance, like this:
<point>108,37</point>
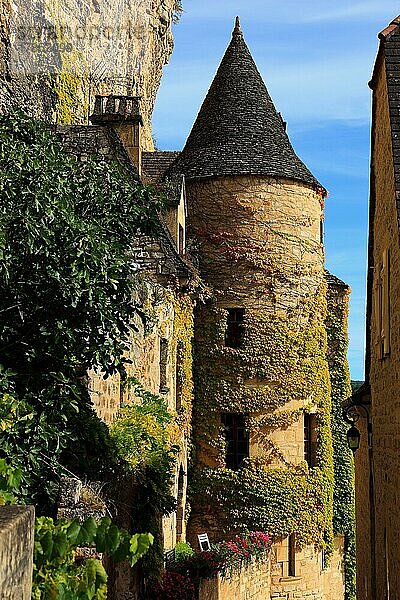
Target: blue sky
<point>316,59</point>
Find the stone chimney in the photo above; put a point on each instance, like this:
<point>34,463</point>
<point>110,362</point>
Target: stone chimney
<point>123,114</point>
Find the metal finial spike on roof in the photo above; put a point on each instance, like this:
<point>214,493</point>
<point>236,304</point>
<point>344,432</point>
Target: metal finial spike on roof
<point>237,30</point>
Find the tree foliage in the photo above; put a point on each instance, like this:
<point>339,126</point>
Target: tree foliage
<point>66,227</point>
<point>65,232</point>
<point>56,574</point>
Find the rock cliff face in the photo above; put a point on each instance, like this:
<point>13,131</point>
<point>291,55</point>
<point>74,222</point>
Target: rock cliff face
<point>56,54</point>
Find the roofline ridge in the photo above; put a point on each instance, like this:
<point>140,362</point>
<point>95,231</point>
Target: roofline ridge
<point>390,28</point>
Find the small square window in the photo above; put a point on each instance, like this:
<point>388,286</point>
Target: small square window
<point>234,327</point>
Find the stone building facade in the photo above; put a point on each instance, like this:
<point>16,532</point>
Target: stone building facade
<point>17,530</point>
<point>377,460</point>
<point>160,343</point>
<point>262,406</point>
<point>252,214</point>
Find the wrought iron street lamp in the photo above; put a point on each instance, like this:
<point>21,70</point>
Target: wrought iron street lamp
<point>353,438</point>
<point>351,414</point>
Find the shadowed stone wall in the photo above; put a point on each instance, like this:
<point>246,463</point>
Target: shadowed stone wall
<point>16,552</point>
<point>384,374</point>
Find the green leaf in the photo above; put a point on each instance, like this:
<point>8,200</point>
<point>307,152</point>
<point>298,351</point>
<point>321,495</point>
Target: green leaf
<point>47,544</point>
<point>113,539</point>
<point>102,534</point>
<point>139,545</point>
<point>88,532</point>
<point>73,532</point>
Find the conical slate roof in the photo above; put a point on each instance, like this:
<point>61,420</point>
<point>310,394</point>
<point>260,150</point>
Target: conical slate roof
<point>238,130</point>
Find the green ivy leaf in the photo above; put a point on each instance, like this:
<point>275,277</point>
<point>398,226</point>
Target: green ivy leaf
<point>73,532</point>
<point>88,532</point>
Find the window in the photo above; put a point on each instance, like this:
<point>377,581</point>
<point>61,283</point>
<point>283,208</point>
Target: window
<point>181,240</point>
<point>163,361</point>
<point>310,439</point>
<point>180,511</point>
<point>237,439</point>
<point>178,375</point>
<point>292,555</point>
<point>382,306</point>
<point>286,555</point>
<point>234,327</point>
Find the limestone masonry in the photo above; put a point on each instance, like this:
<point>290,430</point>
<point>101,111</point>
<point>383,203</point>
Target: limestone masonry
<point>233,288</point>
<point>55,56</point>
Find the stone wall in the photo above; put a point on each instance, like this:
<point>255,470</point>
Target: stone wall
<point>363,515</point>
<point>252,583</point>
<point>268,582</point>
<point>279,220</point>
<point>16,552</point>
<point>312,581</point>
<point>260,249</point>
<point>384,370</point>
<point>343,494</point>
<point>144,353</point>
<point>159,348</point>
<point>102,46</point>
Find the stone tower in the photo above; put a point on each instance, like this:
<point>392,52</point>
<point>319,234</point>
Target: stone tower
<point>263,444</point>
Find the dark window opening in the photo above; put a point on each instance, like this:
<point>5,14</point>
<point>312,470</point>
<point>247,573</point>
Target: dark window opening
<point>181,235</point>
<point>237,439</point>
<point>163,361</point>
<point>234,327</point>
<point>292,555</point>
<point>178,375</point>
<point>180,512</point>
<point>310,439</point>
<point>321,231</point>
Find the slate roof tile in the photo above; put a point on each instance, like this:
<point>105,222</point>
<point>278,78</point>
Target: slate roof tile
<point>238,130</point>
<point>390,39</point>
<point>154,164</point>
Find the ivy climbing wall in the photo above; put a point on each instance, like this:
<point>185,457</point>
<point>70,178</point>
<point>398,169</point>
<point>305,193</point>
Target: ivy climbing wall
<point>160,358</point>
<point>343,497</point>
<point>260,250</point>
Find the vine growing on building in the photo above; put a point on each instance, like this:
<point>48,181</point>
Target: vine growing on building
<point>269,491</point>
<point>265,256</point>
<point>66,303</point>
<point>344,505</point>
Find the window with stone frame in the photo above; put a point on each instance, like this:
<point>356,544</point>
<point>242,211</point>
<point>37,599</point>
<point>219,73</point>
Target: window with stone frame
<point>163,364</point>
<point>381,301</point>
<point>286,555</point>
<point>292,555</point>
<point>237,439</point>
<point>234,327</point>
<point>310,439</point>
